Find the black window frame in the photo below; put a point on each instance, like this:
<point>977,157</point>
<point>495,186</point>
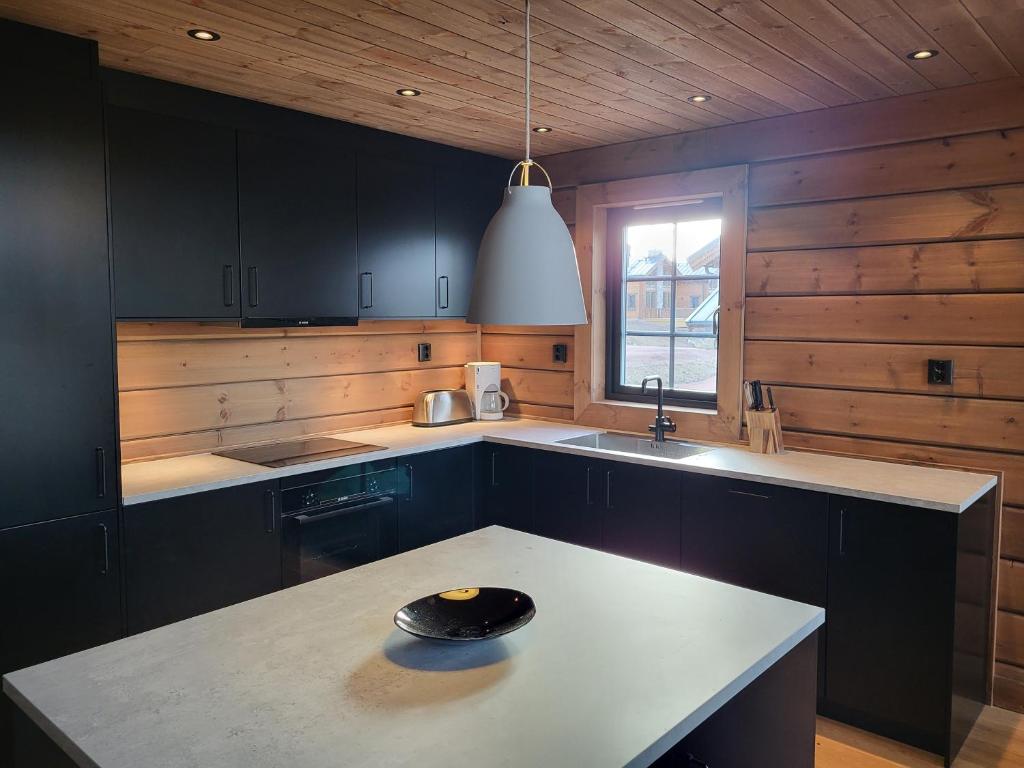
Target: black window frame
<point>618,220</point>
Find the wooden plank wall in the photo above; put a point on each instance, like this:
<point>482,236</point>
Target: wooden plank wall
<point>537,386</point>
<point>862,264</point>
<point>191,387</point>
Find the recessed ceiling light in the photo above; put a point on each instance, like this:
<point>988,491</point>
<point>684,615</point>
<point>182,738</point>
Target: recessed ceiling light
<point>542,129</point>
<point>407,92</point>
<point>700,98</point>
<point>205,35</point>
<point>922,54</point>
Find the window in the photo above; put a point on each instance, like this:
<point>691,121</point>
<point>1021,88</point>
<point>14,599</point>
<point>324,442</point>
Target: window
<point>671,254</point>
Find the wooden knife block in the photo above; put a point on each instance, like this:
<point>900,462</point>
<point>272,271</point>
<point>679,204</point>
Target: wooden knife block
<point>765,430</point>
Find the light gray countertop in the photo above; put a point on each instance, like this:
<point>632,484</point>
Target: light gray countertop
<point>928,487</point>
<point>622,660</point>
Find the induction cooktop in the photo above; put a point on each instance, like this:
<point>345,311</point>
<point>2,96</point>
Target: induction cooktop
<point>285,454</point>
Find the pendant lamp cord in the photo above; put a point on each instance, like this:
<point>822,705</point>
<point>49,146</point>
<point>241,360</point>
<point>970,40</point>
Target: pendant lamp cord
<point>527,81</point>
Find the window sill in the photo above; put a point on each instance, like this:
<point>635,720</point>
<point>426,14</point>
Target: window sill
<point>669,409</point>
<point>671,404</point>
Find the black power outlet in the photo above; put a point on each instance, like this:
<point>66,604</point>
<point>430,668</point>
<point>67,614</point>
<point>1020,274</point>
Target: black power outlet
<point>940,372</point>
<point>560,353</point>
<point>423,352</point>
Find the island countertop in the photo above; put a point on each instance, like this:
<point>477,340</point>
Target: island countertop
<point>622,660</point>
<point>927,487</point>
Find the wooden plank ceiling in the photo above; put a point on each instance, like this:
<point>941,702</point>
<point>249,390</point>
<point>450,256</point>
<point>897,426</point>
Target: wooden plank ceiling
<point>605,71</point>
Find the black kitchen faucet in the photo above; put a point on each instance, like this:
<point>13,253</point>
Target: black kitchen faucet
<point>662,423</point>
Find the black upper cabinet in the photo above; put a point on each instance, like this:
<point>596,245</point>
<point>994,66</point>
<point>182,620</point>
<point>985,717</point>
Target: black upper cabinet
<point>764,537</point>
<point>505,482</point>
<point>63,588</point>
<point>569,498</point>
<point>466,202</point>
<point>641,517</point>
<point>57,374</point>
<point>223,208</point>
<point>174,216</point>
<point>891,579</point>
<point>297,224</point>
<point>439,499</point>
<point>189,555</point>
<point>42,51</point>
<point>396,238</point>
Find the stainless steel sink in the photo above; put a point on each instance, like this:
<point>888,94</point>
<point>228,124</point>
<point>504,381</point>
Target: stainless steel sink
<point>612,441</point>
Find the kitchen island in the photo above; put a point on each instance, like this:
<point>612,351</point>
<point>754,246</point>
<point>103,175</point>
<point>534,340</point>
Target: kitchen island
<point>623,664</point>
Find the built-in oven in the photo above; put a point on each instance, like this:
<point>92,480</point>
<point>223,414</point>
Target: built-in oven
<point>338,519</point>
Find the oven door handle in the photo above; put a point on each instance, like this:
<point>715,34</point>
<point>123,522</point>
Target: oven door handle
<point>383,501</point>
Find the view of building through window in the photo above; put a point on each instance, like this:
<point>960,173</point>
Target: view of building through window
<point>669,303</point>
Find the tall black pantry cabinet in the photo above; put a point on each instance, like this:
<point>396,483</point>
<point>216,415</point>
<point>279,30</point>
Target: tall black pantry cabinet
<point>58,482</point>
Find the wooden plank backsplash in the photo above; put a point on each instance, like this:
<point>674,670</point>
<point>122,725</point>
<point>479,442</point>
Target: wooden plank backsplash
<point>194,387</point>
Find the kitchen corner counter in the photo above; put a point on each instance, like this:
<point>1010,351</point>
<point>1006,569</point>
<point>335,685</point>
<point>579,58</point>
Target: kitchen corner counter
<point>144,481</point>
<point>926,487</point>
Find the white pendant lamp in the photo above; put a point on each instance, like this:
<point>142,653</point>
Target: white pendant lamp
<point>526,272</point>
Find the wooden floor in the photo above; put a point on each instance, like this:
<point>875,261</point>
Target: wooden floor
<point>997,741</point>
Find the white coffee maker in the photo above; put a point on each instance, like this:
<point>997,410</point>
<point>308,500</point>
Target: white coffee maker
<point>483,382</point>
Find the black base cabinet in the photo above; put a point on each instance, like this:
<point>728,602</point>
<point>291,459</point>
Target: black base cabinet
<point>906,649</point>
<point>626,509</point>
<point>764,537</point>
<point>189,555</point>
<point>504,477</point>
<point>570,498</point>
<point>62,594</point>
<point>908,606</point>
<point>768,538</point>
<point>641,515</point>
<point>438,500</point>
<point>769,724</point>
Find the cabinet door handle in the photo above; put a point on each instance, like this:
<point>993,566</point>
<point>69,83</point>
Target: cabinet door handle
<point>842,532</point>
<point>608,489</point>
<point>408,468</point>
<point>494,473</point>
<point>102,550</point>
<point>750,493</point>
<point>269,511</point>
<point>442,302</point>
<point>229,285</point>
<point>254,286</point>
<point>366,290</point>
<point>101,473</point>
<point>589,500</point>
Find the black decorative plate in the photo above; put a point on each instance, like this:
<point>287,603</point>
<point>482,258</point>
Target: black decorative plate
<point>473,613</point>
